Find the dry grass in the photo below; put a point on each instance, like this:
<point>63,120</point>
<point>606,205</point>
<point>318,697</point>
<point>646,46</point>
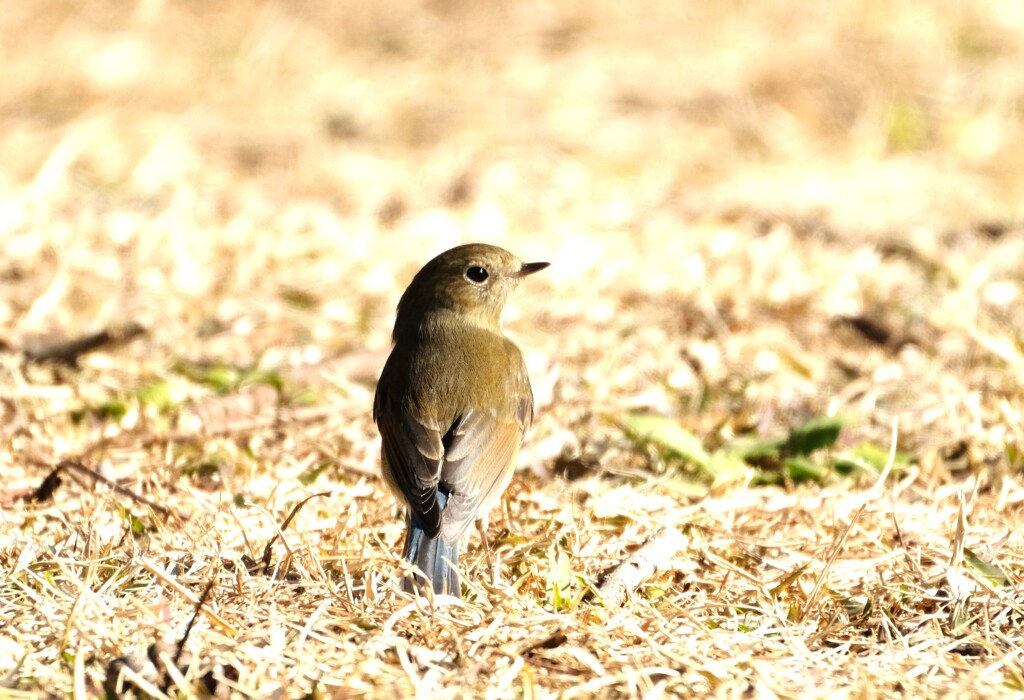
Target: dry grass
<point>757,213</point>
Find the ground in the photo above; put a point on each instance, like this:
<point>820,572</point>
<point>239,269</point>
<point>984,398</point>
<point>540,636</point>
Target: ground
<point>783,317</point>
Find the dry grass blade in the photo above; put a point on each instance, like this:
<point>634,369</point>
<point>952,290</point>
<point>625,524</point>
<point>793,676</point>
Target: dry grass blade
<point>840,540</point>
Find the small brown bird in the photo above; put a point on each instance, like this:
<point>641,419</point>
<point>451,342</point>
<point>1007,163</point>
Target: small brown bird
<point>452,403</point>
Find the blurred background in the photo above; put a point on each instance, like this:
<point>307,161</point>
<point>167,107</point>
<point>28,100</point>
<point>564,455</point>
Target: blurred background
<point>722,183</point>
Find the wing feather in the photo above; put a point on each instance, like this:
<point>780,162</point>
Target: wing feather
<point>412,456</point>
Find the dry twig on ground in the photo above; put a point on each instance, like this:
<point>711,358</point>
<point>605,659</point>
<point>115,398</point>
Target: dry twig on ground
<point>654,555</point>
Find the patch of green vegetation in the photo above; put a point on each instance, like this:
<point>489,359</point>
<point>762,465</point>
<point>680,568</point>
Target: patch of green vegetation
<point>1014,456</point>
<point>136,525</point>
<point>871,458</point>
<point>676,442</point>
<point>299,298</point>
<point>108,410</point>
<point>906,128</point>
<point>156,393</point>
<point>313,473</point>
<point>208,467</point>
<point>991,572</point>
<point>652,593</point>
<point>804,454</point>
<point>565,589</point>
<point>112,410</point>
<point>225,379</point>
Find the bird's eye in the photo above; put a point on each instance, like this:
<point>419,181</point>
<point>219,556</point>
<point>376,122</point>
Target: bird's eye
<point>476,274</point>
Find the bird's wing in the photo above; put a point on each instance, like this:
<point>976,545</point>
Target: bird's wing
<point>412,454</point>
<point>481,451</point>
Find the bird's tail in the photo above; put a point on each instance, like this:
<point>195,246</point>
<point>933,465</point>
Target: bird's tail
<point>434,557</point>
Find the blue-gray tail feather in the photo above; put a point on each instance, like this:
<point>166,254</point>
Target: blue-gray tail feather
<point>432,556</point>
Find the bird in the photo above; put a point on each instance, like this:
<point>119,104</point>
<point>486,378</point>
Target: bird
<point>452,404</point>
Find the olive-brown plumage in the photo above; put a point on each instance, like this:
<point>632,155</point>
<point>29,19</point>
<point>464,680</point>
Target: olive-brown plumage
<point>453,402</point>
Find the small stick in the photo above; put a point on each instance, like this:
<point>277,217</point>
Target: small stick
<point>186,593</point>
<point>280,533</point>
<point>67,352</point>
<point>49,485</point>
<point>75,465</point>
<point>188,629</point>
<point>653,556</point>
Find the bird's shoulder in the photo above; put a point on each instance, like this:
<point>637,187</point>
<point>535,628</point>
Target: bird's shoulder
<point>451,366</point>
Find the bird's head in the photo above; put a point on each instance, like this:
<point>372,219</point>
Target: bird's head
<point>473,281</point>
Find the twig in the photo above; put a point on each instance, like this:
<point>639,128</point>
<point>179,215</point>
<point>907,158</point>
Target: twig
<point>171,582</point>
<point>48,487</point>
<point>653,556</point>
<point>52,481</point>
<point>280,533</point>
<point>188,629</point>
<point>67,352</point>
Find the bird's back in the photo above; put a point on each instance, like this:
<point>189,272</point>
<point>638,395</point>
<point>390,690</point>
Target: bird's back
<point>468,389</point>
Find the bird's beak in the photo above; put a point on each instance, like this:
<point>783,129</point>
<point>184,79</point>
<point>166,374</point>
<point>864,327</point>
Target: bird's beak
<point>530,268</point>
